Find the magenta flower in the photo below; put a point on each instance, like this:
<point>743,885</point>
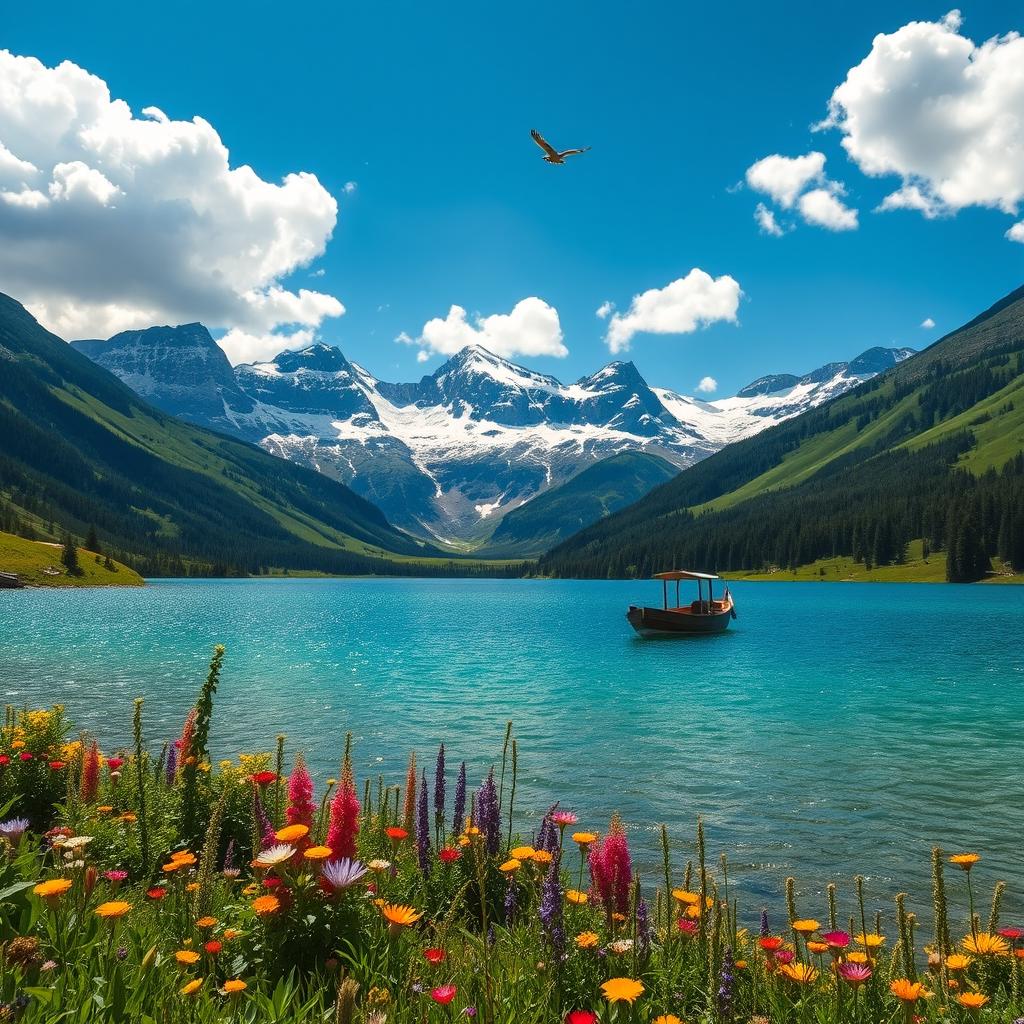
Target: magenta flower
<point>785,956</point>
<point>563,818</point>
<point>836,940</point>
<point>611,869</point>
<point>300,795</point>
<point>854,974</point>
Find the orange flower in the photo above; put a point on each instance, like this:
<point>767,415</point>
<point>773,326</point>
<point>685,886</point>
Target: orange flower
<point>53,889</point>
<point>667,1018</point>
<point>577,897</point>
<point>192,987</point>
<point>958,962</point>
<point>908,991</point>
<point>399,916</point>
<point>113,909</point>
<point>186,957</point>
<point>317,853</point>
<point>192,887</point>
<point>510,866</point>
<point>521,853</point>
<point>206,922</point>
<point>584,838</point>
<point>622,990</point>
<point>234,987</point>
<point>986,944</point>
<point>586,940</point>
<point>689,898</point>
<point>806,926</point>
<point>817,947</point>
<point>972,1000</point>
<point>541,857</point>
<point>871,941</point>
<point>965,861</point>
<point>803,974</point>
<point>183,857</point>
<point>264,906</point>
<point>291,833</point>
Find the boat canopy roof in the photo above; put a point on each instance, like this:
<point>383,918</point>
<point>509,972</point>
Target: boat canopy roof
<point>685,574</point>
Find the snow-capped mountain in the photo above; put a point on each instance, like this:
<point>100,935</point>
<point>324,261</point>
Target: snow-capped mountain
<point>447,457</point>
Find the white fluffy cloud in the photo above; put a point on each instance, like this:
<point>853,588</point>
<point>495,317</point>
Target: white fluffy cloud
<point>532,328</point>
<point>605,310</point>
<point>707,385</point>
<point>679,308</point>
<point>110,221</point>
<point>788,181</point>
<point>942,113</point>
<point>1016,232</point>
<point>927,323</point>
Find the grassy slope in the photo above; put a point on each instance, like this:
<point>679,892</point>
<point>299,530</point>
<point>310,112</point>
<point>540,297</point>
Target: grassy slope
<point>28,558</point>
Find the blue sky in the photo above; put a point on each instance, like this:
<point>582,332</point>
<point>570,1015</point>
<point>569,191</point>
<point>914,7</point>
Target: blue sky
<point>428,109</point>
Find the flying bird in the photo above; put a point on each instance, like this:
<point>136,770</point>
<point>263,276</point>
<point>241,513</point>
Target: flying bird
<point>551,155</point>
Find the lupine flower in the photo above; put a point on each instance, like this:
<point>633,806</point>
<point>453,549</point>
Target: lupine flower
<point>439,785</point>
<point>90,774</point>
<point>172,763</point>
<point>726,983</point>
<point>459,812</point>
<point>489,814</point>
<point>854,974</point>
<point>423,829</point>
<point>344,826</point>
<point>551,909</point>
<point>547,837</point>
<point>765,930</point>
<point>511,902</point>
<point>469,1011</point>
<point>301,809</point>
<point>643,927</point>
<point>261,820</point>
<point>228,869</point>
<point>343,873</point>
<point>611,868</point>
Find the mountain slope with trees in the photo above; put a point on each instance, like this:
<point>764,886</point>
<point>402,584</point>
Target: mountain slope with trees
<point>79,449</point>
<point>931,450</point>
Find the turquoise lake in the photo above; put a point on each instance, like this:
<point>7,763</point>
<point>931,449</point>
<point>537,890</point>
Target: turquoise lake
<point>836,729</point>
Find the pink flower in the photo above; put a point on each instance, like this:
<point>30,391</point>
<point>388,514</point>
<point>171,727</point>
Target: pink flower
<point>344,827</point>
<point>854,974</point>
<point>581,1017</point>
<point>687,927</point>
<point>25,756</point>
<point>563,818</point>
<point>785,956</point>
<point>836,940</point>
<point>443,994</point>
<point>611,868</point>
<point>300,795</point>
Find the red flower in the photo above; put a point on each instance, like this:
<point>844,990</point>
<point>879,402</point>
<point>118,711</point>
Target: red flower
<point>443,994</point>
<point>449,854</point>
<point>396,834</point>
<point>4,759</point>
<point>57,765</point>
<point>434,956</point>
<point>770,943</point>
<point>25,756</point>
<point>213,947</point>
<point>686,926</point>
<point>580,1017</point>
<point>158,892</point>
<point>371,888</point>
<point>270,882</point>
<point>113,763</point>
<point>264,778</point>
<point>1013,934</point>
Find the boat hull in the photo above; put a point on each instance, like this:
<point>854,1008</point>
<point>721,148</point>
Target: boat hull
<point>678,621</point>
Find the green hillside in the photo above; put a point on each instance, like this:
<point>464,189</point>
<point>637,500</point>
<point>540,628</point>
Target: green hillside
<point>78,449</point>
<point>38,564</point>
<point>930,450</point>
<point>597,492</point>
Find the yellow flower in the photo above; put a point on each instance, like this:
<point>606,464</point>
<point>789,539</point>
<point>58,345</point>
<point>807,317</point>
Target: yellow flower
<point>206,922</point>
<point>378,996</point>
<point>192,887</point>
<point>817,947</point>
<point>291,833</point>
<point>871,941</point>
<point>908,991</point>
<point>541,857</point>
<point>53,889</point>
<point>802,974</point>
<point>577,897</point>
<point>511,866</point>
<point>186,957</point>
<point>192,987</point>
<point>857,957</point>
<point>251,889</point>
<point>966,861</point>
<point>667,1018</point>
<point>684,896</point>
<point>972,1000</point>
<point>113,909</point>
<point>234,987</point>
<point>584,838</point>
<point>317,853</point>
<point>521,853</point>
<point>958,962</point>
<point>986,944</point>
<point>806,926</point>
<point>619,990</point>
<point>587,940</point>
<point>399,915</point>
<point>264,906</point>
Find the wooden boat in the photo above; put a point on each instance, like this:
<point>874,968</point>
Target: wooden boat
<point>706,615</point>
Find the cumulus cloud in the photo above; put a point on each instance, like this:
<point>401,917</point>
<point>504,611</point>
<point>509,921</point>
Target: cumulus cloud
<point>349,187</point>
<point>788,181</point>
<point>605,310</point>
<point>1016,232</point>
<point>927,323</point>
<point>941,113</point>
<point>679,308</point>
<point>707,385</point>
<point>767,221</point>
<point>110,221</point>
<point>532,328</point>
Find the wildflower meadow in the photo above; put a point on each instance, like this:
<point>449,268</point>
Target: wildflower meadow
<point>153,885</point>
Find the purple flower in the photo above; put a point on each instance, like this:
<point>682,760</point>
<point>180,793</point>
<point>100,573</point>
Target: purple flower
<point>511,902</point>
<point>547,838</point>
<point>122,952</point>
<point>488,814</point>
<point>439,786</point>
<point>643,927</point>
<point>13,829</point>
<point>229,857</point>
<point>260,819</point>
<point>469,1011</point>
<point>551,909</point>
<point>459,814</point>
<point>423,830</point>
<point>726,981</point>
<point>343,873</point>
<point>765,930</point>
<point>172,764</point>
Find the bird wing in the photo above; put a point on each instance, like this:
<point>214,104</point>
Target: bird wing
<point>542,142</point>
<point>573,152</point>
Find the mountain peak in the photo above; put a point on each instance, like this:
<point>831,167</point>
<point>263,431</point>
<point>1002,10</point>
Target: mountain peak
<point>318,357</point>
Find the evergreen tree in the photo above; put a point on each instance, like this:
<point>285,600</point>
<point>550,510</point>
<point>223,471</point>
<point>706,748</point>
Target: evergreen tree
<point>69,556</point>
<point>92,542</point>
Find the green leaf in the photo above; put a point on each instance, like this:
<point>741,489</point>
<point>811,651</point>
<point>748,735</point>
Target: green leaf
<point>13,890</point>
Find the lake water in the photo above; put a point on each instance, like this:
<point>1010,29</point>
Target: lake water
<point>836,729</point>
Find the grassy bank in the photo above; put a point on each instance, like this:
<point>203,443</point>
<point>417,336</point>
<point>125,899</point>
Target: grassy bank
<point>137,886</point>
<point>38,564</point>
<point>915,569</point>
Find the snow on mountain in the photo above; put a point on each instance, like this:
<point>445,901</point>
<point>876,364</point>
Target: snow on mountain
<point>448,456</point>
